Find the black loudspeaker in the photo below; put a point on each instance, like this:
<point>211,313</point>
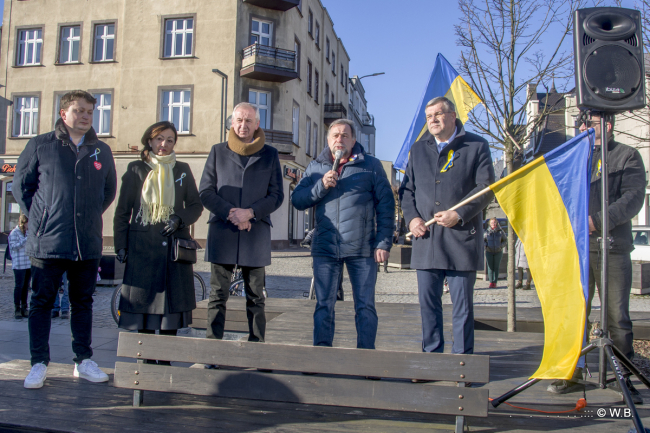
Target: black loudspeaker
<point>608,51</point>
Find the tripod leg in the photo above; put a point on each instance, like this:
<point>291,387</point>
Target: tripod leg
<point>508,395</point>
<point>630,366</point>
<point>626,392</point>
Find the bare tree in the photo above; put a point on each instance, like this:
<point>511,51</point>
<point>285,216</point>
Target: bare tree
<point>502,54</point>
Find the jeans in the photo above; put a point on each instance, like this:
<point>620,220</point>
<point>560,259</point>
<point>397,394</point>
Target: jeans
<point>363,276</point>
<point>46,281</point>
<point>619,286</point>
<point>64,303</point>
<point>461,289</point>
<point>219,293</point>
<point>22,278</point>
<point>493,263</point>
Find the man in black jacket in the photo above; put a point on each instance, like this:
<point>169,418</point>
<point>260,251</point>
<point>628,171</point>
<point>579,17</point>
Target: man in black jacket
<point>446,166</point>
<point>241,186</point>
<point>626,188</point>
<point>64,181</point>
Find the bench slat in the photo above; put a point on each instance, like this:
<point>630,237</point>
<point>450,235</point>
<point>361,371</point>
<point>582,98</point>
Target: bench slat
<point>328,360</point>
<point>297,388</point>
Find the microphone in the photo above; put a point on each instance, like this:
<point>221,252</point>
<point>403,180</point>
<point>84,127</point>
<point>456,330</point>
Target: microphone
<point>337,159</point>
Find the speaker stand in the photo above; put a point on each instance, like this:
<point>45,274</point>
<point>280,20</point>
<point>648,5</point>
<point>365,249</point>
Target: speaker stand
<point>608,353</point>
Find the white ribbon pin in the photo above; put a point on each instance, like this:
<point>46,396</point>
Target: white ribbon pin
<point>180,179</point>
<point>96,154</point>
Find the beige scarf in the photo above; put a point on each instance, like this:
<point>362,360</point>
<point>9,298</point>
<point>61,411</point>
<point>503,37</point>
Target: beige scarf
<point>246,149</point>
<point>158,192</point>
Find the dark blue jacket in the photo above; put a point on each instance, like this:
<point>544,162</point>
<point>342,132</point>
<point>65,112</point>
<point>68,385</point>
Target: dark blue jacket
<point>65,194</point>
<point>353,218</point>
<point>426,190</point>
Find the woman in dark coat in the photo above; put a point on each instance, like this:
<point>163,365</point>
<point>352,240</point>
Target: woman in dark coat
<point>495,241</point>
<point>158,201</point>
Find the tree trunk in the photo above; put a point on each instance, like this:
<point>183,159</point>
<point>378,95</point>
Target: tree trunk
<point>512,301</point>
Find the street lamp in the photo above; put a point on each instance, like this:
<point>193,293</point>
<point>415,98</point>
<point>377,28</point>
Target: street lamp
<point>372,75</point>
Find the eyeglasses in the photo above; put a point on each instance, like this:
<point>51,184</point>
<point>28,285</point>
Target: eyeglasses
<point>437,114</point>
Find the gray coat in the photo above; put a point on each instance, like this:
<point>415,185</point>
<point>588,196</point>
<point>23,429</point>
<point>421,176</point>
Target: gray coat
<point>520,258</point>
<point>226,184</point>
<point>151,278</point>
<point>426,190</point>
<point>355,217</point>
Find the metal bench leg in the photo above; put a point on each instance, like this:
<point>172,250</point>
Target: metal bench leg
<point>460,424</point>
<point>138,396</point>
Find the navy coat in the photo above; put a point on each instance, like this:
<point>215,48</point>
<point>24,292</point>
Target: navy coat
<point>353,218</point>
<point>65,194</point>
<point>426,190</point>
<point>226,184</point>
<point>151,278</point>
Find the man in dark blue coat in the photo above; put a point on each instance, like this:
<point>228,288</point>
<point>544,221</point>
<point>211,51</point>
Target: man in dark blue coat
<point>241,186</point>
<point>446,166</point>
<point>64,181</point>
<point>355,214</point>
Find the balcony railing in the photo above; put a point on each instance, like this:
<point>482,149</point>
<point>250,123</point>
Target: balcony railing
<point>278,5</point>
<point>262,62</point>
<point>333,112</point>
<point>281,140</point>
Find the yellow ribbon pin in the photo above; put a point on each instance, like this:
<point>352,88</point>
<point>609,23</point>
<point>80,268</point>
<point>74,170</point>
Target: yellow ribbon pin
<point>450,161</point>
<point>598,170</point>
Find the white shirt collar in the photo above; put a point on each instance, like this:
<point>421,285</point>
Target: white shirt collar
<point>441,145</point>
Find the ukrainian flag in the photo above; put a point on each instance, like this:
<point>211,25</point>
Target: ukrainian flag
<point>546,202</point>
<point>444,81</point>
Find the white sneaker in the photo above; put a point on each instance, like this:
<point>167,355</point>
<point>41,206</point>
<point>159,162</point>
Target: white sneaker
<point>88,370</point>
<point>36,376</point>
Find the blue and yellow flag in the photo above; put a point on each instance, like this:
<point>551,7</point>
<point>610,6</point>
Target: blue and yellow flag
<point>444,81</point>
<point>547,203</point>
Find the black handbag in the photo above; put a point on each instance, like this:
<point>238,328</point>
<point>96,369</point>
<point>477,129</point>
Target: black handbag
<point>184,250</point>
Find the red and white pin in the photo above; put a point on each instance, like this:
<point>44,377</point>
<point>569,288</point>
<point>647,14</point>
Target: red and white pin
<point>98,165</point>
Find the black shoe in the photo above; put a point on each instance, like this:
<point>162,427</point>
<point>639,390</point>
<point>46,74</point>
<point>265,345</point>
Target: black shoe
<point>636,395</point>
<point>519,285</point>
<point>17,314</point>
<point>23,311</point>
<point>563,386</point>
<point>55,314</point>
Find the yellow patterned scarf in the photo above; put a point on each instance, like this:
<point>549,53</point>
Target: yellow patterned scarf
<point>158,192</point>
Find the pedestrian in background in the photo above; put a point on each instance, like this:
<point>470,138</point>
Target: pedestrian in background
<point>521,262</point>
<point>62,304</point>
<point>495,241</point>
<point>20,265</point>
<point>158,202</point>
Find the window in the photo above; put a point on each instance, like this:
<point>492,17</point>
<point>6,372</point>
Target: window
<point>57,106</point>
<point>341,74</point>
<point>176,108</point>
<point>346,82</point>
<point>104,43</point>
<point>30,44</point>
<point>296,48</point>
<point>179,37</point>
<point>327,92</point>
<point>69,44</point>
<point>295,122</point>
<point>317,35</point>
<point>308,136</point>
<point>315,143</point>
<point>262,100</point>
<point>316,86</point>
<point>332,100</point>
<point>309,77</point>
<point>310,24</point>
<point>25,116</point>
<point>327,48</point>
<point>261,32</point>
<point>102,113</point>
<point>333,63</point>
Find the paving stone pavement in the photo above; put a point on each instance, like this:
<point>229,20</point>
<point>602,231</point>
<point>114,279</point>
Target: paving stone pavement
<point>289,276</point>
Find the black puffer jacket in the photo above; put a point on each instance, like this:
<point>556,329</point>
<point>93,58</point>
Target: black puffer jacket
<point>495,240</point>
<point>65,194</point>
<point>353,218</point>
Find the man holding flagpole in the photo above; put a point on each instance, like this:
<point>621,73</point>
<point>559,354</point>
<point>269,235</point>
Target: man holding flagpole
<point>444,167</point>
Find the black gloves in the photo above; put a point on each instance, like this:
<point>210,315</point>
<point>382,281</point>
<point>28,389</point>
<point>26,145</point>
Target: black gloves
<point>173,224</point>
<point>121,255</point>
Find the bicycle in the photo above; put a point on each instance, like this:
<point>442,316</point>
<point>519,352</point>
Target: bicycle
<point>237,284</point>
<point>115,298</point>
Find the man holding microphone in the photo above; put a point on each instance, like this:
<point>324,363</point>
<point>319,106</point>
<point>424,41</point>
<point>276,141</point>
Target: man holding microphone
<point>355,211</point>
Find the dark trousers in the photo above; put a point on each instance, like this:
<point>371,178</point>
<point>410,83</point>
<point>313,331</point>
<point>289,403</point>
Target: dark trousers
<point>46,280</point>
<point>22,277</point>
<point>461,289</point>
<point>220,290</point>
<point>493,264</point>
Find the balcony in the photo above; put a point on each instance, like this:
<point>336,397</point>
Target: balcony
<point>281,140</point>
<point>261,62</point>
<point>281,5</point>
<point>334,112</point>
<point>368,119</point>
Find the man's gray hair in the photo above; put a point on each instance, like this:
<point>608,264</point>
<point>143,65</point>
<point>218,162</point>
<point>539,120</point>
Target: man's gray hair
<point>449,106</point>
<point>348,122</point>
<point>247,105</point>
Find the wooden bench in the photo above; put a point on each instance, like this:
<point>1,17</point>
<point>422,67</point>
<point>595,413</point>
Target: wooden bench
<point>341,378</point>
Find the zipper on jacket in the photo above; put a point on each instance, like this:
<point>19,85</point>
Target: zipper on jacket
<point>76,232</point>
<point>41,227</point>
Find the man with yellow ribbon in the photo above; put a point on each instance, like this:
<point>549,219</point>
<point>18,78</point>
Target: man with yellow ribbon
<point>446,166</point>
